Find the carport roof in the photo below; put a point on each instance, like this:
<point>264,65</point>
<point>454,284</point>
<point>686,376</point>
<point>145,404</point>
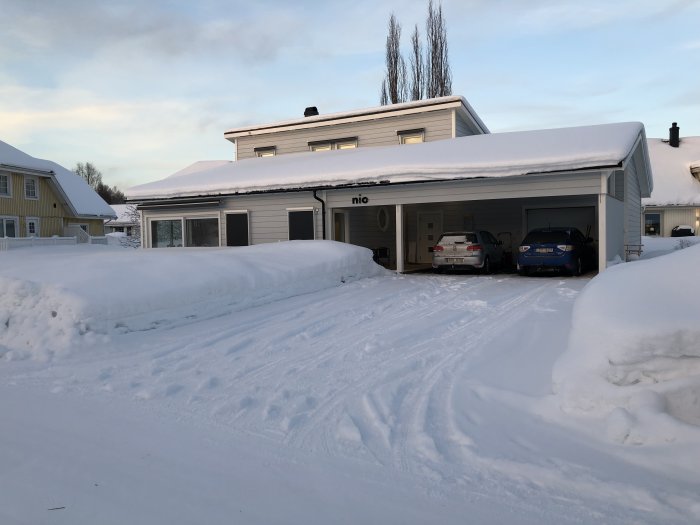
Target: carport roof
<point>490,155</point>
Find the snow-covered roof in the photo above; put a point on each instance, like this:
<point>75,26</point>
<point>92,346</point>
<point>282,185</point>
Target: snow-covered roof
<point>124,217</point>
<point>79,196</point>
<point>488,155</point>
<point>674,185</point>
<point>373,112</point>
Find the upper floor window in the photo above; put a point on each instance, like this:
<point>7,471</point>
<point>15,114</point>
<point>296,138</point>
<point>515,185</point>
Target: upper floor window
<point>265,151</point>
<point>326,145</point>
<point>5,185</point>
<point>31,188</point>
<point>411,136</point>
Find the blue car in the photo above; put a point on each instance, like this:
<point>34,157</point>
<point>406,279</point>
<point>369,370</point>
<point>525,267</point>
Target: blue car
<point>562,249</point>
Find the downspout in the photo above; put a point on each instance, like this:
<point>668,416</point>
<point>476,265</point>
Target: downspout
<point>323,213</point>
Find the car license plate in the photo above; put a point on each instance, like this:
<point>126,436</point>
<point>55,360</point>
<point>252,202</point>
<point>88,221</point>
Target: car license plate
<point>544,250</point>
<point>454,259</point>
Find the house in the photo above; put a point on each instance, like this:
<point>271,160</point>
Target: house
<point>39,198</point>
<point>125,222</point>
<point>675,200</point>
<point>398,198</point>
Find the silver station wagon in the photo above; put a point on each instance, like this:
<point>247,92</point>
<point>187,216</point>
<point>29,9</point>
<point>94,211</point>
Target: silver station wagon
<point>478,250</point>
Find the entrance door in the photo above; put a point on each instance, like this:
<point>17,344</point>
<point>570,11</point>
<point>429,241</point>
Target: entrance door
<point>340,226</point>
<point>236,229</point>
<point>429,230</point>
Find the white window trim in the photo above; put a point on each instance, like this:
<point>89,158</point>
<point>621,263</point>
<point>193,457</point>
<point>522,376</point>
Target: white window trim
<point>35,220</point>
<point>265,151</point>
<point>7,195</point>
<point>409,133</point>
<point>36,187</point>
<point>4,218</point>
<point>333,144</point>
<point>305,208</point>
<point>240,212</point>
<point>165,218</point>
<point>185,218</point>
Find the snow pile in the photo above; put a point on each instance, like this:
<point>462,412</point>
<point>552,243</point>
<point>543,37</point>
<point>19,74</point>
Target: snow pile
<point>633,356</point>
<point>91,292</point>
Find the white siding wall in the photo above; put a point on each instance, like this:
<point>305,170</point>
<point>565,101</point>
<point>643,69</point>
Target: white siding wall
<point>615,236</point>
<point>633,206</point>
<point>474,189</point>
<point>267,214</point>
<point>377,132</point>
<point>672,217</point>
<point>464,128</point>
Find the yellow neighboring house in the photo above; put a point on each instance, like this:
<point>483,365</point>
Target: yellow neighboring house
<point>39,198</point>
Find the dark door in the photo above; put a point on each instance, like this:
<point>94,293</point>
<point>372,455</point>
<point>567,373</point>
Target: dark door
<point>237,229</point>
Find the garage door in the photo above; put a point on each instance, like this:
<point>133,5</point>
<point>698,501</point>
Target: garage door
<point>582,218</point>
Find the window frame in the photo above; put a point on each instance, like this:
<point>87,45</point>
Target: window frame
<point>660,231</point>
<point>237,212</point>
<point>37,231</point>
<point>201,217</point>
<point>8,177</point>
<point>3,228</point>
<point>151,220</point>
<point>333,144</point>
<point>301,210</point>
<point>404,134</point>
<point>35,180</point>
<point>265,151</point>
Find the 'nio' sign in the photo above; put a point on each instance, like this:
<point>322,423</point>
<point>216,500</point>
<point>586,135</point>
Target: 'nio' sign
<point>360,199</point>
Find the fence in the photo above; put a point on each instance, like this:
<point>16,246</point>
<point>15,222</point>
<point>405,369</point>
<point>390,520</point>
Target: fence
<point>8,243</point>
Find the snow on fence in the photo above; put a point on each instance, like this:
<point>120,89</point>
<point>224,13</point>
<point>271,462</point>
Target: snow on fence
<point>7,243</point>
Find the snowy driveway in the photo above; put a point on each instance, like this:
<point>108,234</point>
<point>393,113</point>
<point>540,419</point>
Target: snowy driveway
<point>438,381</point>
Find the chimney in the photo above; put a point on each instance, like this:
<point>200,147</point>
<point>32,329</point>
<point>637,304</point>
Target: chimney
<point>311,111</point>
<point>674,135</point>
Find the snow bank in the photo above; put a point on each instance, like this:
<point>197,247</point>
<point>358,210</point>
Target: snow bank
<point>633,355</point>
<point>83,294</point>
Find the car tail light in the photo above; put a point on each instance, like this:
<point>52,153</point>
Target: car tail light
<point>565,247</point>
<point>523,249</point>
<point>474,248</point>
<point>438,248</point>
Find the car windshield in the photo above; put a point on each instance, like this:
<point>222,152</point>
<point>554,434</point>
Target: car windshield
<point>457,238</point>
<point>547,236</point>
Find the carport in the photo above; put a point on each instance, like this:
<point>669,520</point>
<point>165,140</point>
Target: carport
<point>507,208</point>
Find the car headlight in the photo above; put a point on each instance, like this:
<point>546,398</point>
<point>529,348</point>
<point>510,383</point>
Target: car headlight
<point>565,247</point>
<point>523,249</point>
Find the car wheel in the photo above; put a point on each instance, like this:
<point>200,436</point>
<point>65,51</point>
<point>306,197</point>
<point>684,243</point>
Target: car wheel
<point>523,271</point>
<point>486,268</point>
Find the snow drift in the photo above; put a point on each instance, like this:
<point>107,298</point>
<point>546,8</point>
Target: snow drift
<point>633,355</point>
<point>91,292</point>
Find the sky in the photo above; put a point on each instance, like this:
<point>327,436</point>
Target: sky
<point>144,89</point>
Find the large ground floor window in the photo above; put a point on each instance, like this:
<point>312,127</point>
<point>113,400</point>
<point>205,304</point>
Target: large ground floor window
<point>166,234</point>
<point>301,225</point>
<point>202,232</point>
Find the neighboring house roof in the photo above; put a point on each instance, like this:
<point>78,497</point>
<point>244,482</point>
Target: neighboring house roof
<point>80,198</point>
<point>476,156</point>
<point>418,106</point>
<point>674,184</point>
<point>124,216</point>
